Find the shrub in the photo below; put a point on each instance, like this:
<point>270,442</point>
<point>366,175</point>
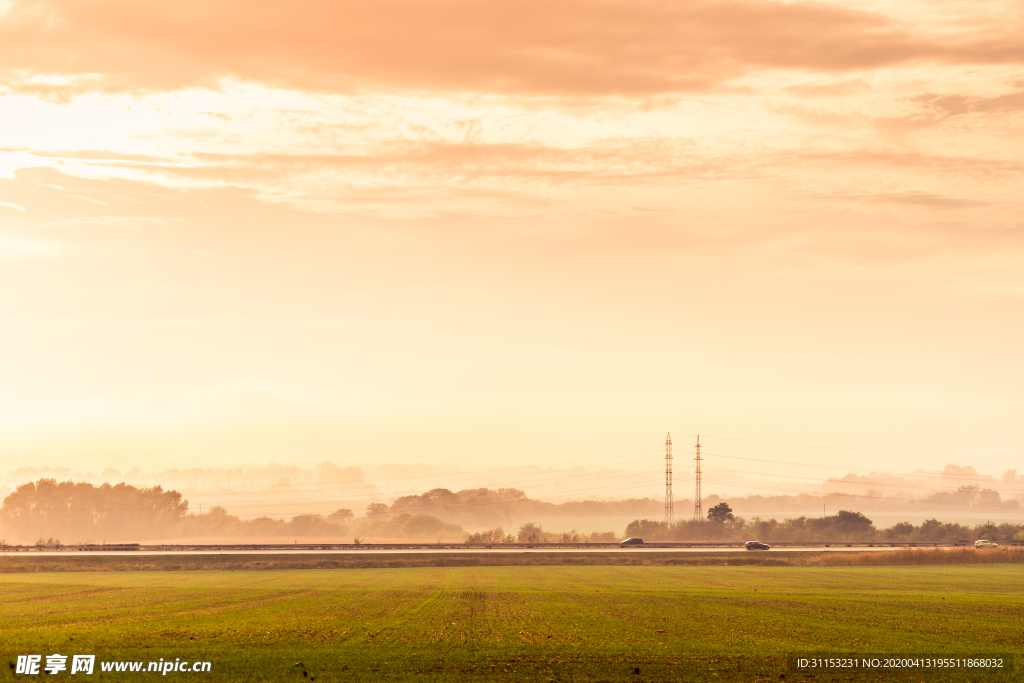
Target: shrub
<point>912,556</point>
<point>491,536</point>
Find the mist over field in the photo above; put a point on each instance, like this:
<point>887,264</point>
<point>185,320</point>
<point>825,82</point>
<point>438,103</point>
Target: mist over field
<point>270,503</point>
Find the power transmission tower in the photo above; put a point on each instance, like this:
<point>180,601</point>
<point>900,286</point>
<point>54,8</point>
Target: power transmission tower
<point>698,509</point>
<point>669,513</point>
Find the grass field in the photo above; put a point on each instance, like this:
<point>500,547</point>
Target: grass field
<point>696,623</point>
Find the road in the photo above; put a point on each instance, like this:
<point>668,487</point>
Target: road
<point>385,550</point>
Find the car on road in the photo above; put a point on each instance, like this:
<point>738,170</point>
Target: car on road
<point>985,544</point>
<point>631,541</point>
<point>756,545</point>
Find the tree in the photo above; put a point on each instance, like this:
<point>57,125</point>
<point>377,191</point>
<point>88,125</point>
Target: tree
<point>900,531</point>
<point>490,536</point>
<point>847,522</point>
<point>312,525</point>
<point>721,513</point>
<point>341,516</point>
<point>376,509</point>
<point>531,533</point>
<point>646,528</point>
<point>81,511</point>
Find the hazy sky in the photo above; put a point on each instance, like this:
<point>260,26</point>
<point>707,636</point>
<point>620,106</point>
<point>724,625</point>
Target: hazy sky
<point>383,229</point>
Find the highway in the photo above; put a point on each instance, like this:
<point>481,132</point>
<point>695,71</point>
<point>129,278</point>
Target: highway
<point>400,549</point>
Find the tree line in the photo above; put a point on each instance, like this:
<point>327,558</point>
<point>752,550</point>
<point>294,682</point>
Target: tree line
<point>534,533</point>
<point>844,526</point>
<point>81,512</point>
<point>51,512</point>
<point>483,507</point>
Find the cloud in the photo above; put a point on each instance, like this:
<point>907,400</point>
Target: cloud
<point>571,48</point>
<point>399,162</point>
<point>85,154</point>
<point>934,109</point>
<point>43,192</point>
<point>422,178</point>
<point>601,161</point>
<point>894,159</point>
<point>954,105</point>
<point>925,199</point>
<point>829,88</point>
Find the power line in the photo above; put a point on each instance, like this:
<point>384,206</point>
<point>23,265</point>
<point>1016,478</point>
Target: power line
<point>847,495</point>
<point>498,504</point>
<point>463,474</point>
<point>862,450</point>
<point>871,484</point>
<point>959,477</point>
<point>322,496</point>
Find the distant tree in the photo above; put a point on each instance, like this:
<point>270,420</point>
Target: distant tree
<point>261,526</point>
<point>341,516</point>
<point>477,508</point>
<point>647,529</point>
<point>408,526</point>
<point>900,531</point>
<point>934,530</point>
<point>490,536</point>
<point>848,522</point>
<point>989,531</point>
<point>81,510</point>
<point>531,533</point>
<point>376,509</point>
<point>510,495</point>
<point>989,498</point>
<point>434,501</point>
<point>602,537</point>
<point>720,513</point>
<point>312,525</point>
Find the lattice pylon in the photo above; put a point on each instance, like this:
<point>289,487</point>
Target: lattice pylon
<point>669,511</point>
<point>698,508</point>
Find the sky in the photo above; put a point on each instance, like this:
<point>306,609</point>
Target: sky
<point>396,230</point>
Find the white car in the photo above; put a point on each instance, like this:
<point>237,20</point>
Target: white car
<point>985,544</point>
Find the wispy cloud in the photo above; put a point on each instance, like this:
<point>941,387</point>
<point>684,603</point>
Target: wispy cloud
<point>584,212</point>
<point>567,49</point>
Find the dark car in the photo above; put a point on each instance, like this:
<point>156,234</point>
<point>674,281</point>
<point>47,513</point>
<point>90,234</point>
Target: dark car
<point>756,545</point>
<point>631,541</point>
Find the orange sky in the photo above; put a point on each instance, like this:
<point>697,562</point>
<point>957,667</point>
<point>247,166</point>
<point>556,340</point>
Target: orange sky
<point>360,231</point>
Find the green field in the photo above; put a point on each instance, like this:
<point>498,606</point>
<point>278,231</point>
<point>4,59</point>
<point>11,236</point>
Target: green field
<point>515,622</point>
